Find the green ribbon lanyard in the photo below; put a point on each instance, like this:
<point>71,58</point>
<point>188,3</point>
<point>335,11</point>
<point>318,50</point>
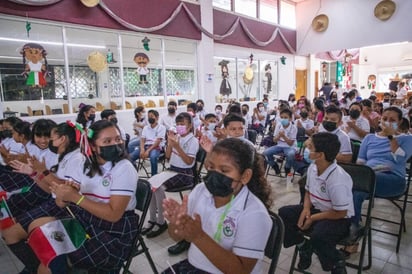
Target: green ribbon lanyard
<point>218,233</point>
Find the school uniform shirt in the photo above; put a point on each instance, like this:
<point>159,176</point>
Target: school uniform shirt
<point>261,122</point>
<point>138,127</point>
<point>239,230</point>
<point>120,179</point>
<point>190,146</point>
<point>151,134</point>
<point>290,131</point>
<point>248,119</point>
<point>361,123</point>
<point>168,121</point>
<point>330,190</point>
<point>13,147</point>
<point>306,124</point>
<point>345,145</point>
<point>71,166</point>
<point>209,134</point>
<point>50,158</point>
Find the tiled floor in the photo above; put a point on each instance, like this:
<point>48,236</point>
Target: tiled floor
<point>385,259</point>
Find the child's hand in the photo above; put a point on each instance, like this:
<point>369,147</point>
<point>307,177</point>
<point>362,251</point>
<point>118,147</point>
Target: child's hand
<point>206,143</point>
<point>172,209</point>
<point>21,167</point>
<point>191,228</point>
<point>303,215</point>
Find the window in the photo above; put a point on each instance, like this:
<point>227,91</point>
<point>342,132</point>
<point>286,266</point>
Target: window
<point>287,15</point>
<point>246,7</point>
<point>268,10</point>
<point>223,4</point>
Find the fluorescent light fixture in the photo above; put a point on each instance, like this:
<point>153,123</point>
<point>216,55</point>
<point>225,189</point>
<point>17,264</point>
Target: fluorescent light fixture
<point>51,43</point>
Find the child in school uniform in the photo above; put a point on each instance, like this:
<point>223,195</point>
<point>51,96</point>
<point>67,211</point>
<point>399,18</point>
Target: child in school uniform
<point>327,208</point>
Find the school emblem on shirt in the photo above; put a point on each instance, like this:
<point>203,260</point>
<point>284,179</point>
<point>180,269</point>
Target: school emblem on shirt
<point>323,187</point>
<point>106,180</point>
<point>229,227</point>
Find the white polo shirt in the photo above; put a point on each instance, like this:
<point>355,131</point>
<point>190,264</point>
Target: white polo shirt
<point>345,146</point>
<point>13,147</point>
<point>290,133</point>
<point>168,121</point>
<point>50,158</point>
<point>306,124</point>
<point>71,166</point>
<point>151,134</point>
<point>361,123</point>
<point>330,190</point>
<point>120,179</point>
<point>190,146</point>
<point>245,229</point>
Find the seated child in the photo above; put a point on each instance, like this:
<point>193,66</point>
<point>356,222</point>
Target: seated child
<point>327,208</point>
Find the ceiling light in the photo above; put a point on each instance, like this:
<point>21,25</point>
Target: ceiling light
<point>51,43</point>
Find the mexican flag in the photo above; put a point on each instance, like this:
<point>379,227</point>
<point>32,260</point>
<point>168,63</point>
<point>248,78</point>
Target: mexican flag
<point>6,219</point>
<point>56,238</point>
<point>7,194</point>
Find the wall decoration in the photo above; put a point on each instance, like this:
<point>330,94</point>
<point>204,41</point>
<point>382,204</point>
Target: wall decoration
<point>384,10</point>
<point>268,75</point>
<point>371,81</point>
<point>97,61</point>
<point>142,60</point>
<point>225,88</point>
<point>145,42</point>
<point>90,3</point>
<point>34,69</point>
<point>320,23</point>
<point>248,77</point>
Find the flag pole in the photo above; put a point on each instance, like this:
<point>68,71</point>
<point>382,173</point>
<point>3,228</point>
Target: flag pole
<point>8,209</point>
<point>74,217</point>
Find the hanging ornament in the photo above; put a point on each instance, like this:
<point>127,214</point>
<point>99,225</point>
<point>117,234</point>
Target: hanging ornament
<point>28,26</point>
<point>145,42</point>
<point>110,58</point>
<point>283,60</point>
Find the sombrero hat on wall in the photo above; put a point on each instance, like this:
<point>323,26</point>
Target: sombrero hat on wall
<point>320,23</point>
<point>385,9</point>
<point>90,3</point>
<point>97,61</point>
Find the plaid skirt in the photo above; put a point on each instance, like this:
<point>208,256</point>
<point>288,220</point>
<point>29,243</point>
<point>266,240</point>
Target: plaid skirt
<point>10,180</point>
<point>110,243</point>
<point>23,202</point>
<point>184,178</point>
<point>184,267</point>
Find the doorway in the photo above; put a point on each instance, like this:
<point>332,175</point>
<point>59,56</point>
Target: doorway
<point>301,83</point>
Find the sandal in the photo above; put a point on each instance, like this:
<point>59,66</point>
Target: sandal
<point>348,250</point>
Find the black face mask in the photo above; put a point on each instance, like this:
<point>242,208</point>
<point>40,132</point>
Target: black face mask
<point>7,133</point>
<point>329,126</point>
<point>244,111</point>
<point>199,108</point>
<point>52,148</point>
<point>1,135</point>
<point>354,114</point>
<point>152,121</point>
<point>111,153</point>
<point>304,115</point>
<point>114,120</point>
<point>218,184</point>
<point>171,110</point>
<point>386,100</point>
<point>92,117</point>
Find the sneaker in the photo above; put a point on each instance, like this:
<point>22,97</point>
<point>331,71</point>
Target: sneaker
<point>339,268</point>
<point>157,230</point>
<point>305,255</point>
<point>149,228</point>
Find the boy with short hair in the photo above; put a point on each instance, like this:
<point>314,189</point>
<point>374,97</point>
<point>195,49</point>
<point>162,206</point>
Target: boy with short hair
<point>327,207</point>
<point>209,126</point>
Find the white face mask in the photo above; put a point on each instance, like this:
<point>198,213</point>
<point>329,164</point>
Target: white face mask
<point>261,109</point>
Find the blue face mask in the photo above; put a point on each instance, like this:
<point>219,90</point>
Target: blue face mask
<point>394,125</point>
<point>284,122</point>
<point>306,154</point>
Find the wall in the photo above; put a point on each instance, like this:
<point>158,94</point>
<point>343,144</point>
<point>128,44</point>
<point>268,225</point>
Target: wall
<point>352,24</point>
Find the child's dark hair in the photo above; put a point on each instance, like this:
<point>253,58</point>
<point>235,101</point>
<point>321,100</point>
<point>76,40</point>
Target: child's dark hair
<point>395,109</point>
<point>12,120</point>
<point>184,116</point>
<point>154,112</point>
<point>106,113</point>
<point>357,104</point>
<point>327,143</point>
<point>64,129</point>
<point>404,125</point>
<point>172,103</point>
<point>91,166</point>
<point>232,117</point>
<point>23,128</point>
<point>287,111</point>
<point>334,109</point>
<point>42,127</point>
<point>244,156</point>
<point>235,108</point>
<point>80,116</point>
<point>210,115</point>
<point>137,110</point>
<point>219,106</point>
<point>192,106</point>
